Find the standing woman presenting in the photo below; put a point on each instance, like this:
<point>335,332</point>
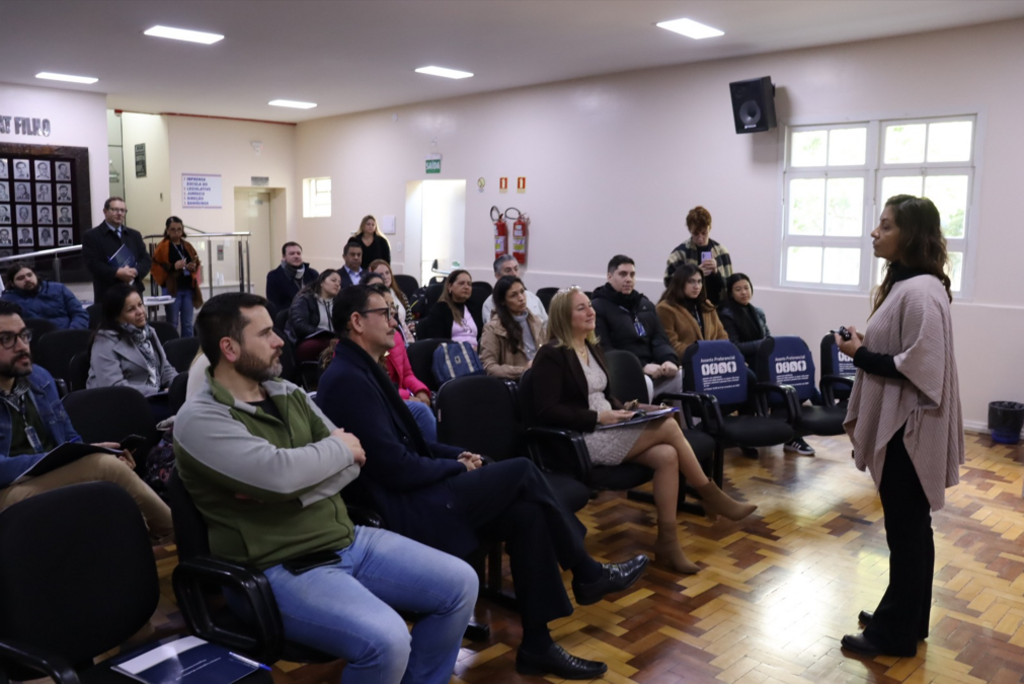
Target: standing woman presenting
<point>904,417</point>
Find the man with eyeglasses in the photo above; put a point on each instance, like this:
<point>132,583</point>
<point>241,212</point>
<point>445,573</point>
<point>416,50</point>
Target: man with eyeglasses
<point>33,422</point>
<point>103,256</point>
<point>444,497</point>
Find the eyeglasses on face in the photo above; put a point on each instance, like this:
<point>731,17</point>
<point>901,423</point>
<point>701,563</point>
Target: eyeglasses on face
<point>386,311</point>
<point>8,340</point>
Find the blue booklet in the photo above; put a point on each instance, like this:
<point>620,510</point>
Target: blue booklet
<point>122,257</point>
<point>642,417</point>
<point>188,660</point>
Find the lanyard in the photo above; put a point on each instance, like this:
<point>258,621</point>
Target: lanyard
<point>638,326</point>
<point>30,432</point>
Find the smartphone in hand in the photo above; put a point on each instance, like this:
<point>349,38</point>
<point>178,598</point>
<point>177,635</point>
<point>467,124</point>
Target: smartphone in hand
<point>132,443</point>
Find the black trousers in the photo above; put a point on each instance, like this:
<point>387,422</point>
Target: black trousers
<point>511,501</point>
<point>901,619</point>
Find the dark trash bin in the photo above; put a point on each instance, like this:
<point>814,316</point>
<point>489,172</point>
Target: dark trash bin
<point>1005,420</point>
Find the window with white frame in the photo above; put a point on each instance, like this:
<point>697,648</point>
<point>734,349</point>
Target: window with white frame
<point>316,197</point>
<point>836,181</point>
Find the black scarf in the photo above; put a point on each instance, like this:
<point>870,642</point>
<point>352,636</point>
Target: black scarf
<point>901,272</point>
<point>396,401</point>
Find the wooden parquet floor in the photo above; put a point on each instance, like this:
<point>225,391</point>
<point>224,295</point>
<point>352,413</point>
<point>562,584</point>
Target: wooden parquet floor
<point>781,588</point>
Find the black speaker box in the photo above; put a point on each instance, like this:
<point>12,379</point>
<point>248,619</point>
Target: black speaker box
<point>753,104</point>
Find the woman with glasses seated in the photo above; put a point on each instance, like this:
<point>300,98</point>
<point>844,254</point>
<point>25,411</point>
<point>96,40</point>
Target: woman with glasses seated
<point>511,337</point>
<point>126,351</point>
<point>309,318</point>
<point>451,318</point>
<point>570,390</point>
<point>685,312</point>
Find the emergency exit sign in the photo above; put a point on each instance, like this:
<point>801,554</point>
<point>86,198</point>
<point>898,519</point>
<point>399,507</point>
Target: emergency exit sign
<point>433,163</point>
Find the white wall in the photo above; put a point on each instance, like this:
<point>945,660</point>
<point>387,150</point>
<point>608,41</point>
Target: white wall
<point>613,164</point>
<point>77,119</point>
<point>148,198</point>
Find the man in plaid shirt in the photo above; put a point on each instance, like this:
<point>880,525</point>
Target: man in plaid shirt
<point>700,250</point>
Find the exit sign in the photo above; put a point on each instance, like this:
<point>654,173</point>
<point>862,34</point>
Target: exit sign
<point>434,163</point>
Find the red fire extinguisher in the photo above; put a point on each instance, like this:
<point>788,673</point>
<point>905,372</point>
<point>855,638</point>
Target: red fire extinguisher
<point>500,233</point>
<point>520,234</point>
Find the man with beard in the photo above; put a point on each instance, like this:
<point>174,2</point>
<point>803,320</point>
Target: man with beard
<point>265,468</point>
<point>285,281</point>
<point>44,299</point>
<point>33,422</point>
<point>440,495</point>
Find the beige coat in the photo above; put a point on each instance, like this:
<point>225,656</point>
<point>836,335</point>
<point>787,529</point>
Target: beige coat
<point>496,350</point>
<point>682,329</point>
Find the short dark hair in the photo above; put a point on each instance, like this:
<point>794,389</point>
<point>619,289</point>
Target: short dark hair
<point>357,242</point>
<point>735,278</point>
<point>106,205</point>
<point>350,300</point>
<point>15,267</point>
<point>9,308</point>
<point>285,246</point>
<point>618,260</point>
<point>173,219</point>
<point>222,317</point>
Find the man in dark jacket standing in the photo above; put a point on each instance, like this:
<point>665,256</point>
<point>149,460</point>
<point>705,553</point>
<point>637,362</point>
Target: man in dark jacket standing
<point>627,320</point>
<point>285,281</point>
<point>44,299</point>
<point>99,244</point>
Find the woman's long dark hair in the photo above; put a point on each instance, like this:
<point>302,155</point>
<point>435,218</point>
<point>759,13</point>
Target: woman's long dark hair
<point>111,308</point>
<point>676,291</point>
<point>747,322</point>
<point>922,246</point>
<point>446,296</point>
<point>512,328</point>
<point>314,287</point>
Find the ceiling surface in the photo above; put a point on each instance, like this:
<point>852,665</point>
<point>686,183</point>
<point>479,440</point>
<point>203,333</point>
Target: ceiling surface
<point>358,55</point>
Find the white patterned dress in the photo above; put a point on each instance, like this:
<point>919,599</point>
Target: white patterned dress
<point>606,447</point>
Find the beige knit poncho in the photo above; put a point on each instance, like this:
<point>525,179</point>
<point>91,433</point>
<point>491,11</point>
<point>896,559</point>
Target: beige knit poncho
<point>914,326</point>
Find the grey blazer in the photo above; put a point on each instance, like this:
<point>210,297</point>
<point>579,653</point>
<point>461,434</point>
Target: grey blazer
<point>117,361</point>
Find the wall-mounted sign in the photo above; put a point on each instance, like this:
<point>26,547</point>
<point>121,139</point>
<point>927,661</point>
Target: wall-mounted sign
<point>200,190</point>
<point>23,125</point>
<point>433,163</point>
<point>140,160</point>
<point>503,184</point>
<point>521,184</point>
<point>259,181</point>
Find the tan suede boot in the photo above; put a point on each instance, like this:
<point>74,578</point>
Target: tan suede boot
<point>667,552</point>
<point>718,503</point>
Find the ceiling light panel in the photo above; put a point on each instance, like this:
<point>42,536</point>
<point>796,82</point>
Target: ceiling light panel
<point>441,71</point>
<point>184,34</point>
<point>66,77</point>
<point>691,29</point>
<point>294,104</point>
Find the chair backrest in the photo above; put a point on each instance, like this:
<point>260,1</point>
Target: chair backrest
<point>479,413</point>
<point>786,360</point>
<point>406,283</point>
<point>181,352</point>
<point>39,327</point>
<point>78,576</point>
<point>55,350</point>
<point>833,361</point>
<point>545,295</point>
<point>421,358</point>
<point>625,376</point>
<point>78,371</point>
<point>526,409</point>
<point>190,531</point>
<point>95,312</point>
<point>716,367</point>
<point>481,291</point>
<point>109,414</point>
<point>165,332</point>
<point>176,393</point>
<point>281,320</point>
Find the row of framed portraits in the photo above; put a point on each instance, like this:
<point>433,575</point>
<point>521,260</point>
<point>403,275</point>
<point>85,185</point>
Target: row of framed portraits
<point>35,169</point>
<point>41,236</point>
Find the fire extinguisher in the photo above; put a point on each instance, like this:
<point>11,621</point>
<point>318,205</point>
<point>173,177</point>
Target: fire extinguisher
<point>520,234</point>
<point>500,233</point>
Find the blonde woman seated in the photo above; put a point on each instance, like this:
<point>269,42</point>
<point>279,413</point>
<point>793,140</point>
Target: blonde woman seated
<point>570,386</point>
<point>510,339</point>
<point>685,312</point>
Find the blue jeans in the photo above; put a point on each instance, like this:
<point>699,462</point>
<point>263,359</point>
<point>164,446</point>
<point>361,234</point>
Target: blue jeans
<point>348,610</point>
<point>425,418</point>
<point>181,306</point>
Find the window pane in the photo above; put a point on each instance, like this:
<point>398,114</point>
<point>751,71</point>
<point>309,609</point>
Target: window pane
<point>841,266</point>
<point>809,148</point>
<point>323,184</point>
<point>904,144</point>
<point>879,272</point>
<point>806,206</point>
<point>955,270</point>
<point>950,141</point>
<point>847,146</point>
<point>899,185</point>
<point>949,193</point>
<point>803,265</point>
<point>845,217</point>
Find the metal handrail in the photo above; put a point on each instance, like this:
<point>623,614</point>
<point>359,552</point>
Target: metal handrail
<point>42,253</point>
<point>160,236</point>
<point>244,276</point>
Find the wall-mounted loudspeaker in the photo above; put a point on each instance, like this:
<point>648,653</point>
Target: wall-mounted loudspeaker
<point>753,104</point>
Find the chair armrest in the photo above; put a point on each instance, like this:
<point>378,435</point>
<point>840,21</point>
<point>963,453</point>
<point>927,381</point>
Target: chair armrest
<point>37,659</point>
<point>364,516</point>
<point>788,395</point>
<point>691,402</point>
<point>576,462</point>
<point>827,386</point>
<point>192,579</point>
<point>62,387</point>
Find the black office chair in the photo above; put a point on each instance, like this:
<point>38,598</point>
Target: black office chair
<point>54,350</point>
<point>39,327</point>
<point>787,361</point>
<point>421,359</point>
<point>165,332</point>
<point>78,371</point>
<point>481,291</point>
<point>109,414</point>
<point>281,322</point>
<point>95,312</point>
<point>839,368</point>
<point>406,283</point>
<point>176,393</point>
<point>545,295</point>
<point>181,352</point>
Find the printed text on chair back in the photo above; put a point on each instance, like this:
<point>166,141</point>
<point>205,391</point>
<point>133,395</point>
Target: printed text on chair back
<point>716,367</point>
<point>786,360</point>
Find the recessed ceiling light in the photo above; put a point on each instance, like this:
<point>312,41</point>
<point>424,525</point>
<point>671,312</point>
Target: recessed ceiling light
<point>295,104</point>
<point>441,71</point>
<point>184,34</point>
<point>690,28</point>
<point>66,77</point>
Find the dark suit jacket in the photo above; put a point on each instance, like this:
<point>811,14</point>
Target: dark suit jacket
<point>99,244</point>
<point>408,488</point>
<point>439,322</point>
<point>346,279</point>
<point>560,393</point>
<point>281,289</point>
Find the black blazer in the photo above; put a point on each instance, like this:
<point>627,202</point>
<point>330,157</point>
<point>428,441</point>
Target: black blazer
<point>99,244</point>
<point>281,289</point>
<point>616,331</point>
<point>560,392</point>
<point>304,317</point>
<point>378,249</point>
<point>440,320</point>
<point>346,279</point>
